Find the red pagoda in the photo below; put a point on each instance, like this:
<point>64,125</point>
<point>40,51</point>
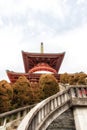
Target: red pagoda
<point>36,64</point>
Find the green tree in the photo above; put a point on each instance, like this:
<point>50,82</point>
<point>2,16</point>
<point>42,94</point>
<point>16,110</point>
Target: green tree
<point>6,95</point>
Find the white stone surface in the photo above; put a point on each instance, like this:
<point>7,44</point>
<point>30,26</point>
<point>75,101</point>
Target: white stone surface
<point>80,116</point>
<point>2,128</point>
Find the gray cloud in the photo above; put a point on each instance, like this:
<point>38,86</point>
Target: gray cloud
<point>68,15</point>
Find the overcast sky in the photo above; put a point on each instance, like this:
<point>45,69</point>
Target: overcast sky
<point>60,24</point>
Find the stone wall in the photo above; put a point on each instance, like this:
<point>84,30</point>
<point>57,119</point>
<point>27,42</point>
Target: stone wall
<point>64,122</point>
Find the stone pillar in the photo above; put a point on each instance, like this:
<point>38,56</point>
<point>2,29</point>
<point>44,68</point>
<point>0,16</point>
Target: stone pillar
<point>80,117</point>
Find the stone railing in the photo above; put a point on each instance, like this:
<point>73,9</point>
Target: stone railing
<point>7,118</point>
<point>49,109</point>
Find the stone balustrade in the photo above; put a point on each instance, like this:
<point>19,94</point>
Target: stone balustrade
<point>7,118</point>
<point>46,111</point>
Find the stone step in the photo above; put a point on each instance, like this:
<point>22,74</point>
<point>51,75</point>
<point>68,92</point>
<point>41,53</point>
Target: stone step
<point>64,122</point>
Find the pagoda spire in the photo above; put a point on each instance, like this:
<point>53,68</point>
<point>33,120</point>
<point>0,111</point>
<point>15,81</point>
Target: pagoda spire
<point>42,49</point>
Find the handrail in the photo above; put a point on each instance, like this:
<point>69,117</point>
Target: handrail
<point>14,114</point>
<point>36,119</point>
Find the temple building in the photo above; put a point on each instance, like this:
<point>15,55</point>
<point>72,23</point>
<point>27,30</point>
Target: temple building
<point>36,64</point>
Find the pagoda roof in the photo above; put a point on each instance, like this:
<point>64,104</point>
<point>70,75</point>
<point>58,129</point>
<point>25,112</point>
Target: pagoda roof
<point>30,60</point>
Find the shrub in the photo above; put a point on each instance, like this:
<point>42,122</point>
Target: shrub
<point>48,84</point>
<point>6,95</point>
<point>22,92</point>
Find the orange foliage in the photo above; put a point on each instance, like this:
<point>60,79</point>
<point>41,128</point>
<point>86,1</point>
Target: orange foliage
<point>49,85</point>
<point>73,79</point>
<point>6,95</point>
<point>23,94</point>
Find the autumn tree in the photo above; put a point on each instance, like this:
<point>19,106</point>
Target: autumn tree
<point>37,93</point>
<point>81,78</point>
<point>64,78</point>
<point>22,92</point>
<point>6,95</point>
<point>73,79</point>
<point>48,84</point>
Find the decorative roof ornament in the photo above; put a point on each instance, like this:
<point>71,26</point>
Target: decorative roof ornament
<point>42,49</point>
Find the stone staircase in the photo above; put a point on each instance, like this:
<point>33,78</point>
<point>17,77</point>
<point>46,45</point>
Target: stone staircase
<point>54,109</point>
<point>10,120</point>
<point>64,122</point>
<point>53,113</point>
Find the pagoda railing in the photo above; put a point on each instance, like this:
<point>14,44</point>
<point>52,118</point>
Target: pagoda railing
<point>7,118</point>
<point>46,111</point>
